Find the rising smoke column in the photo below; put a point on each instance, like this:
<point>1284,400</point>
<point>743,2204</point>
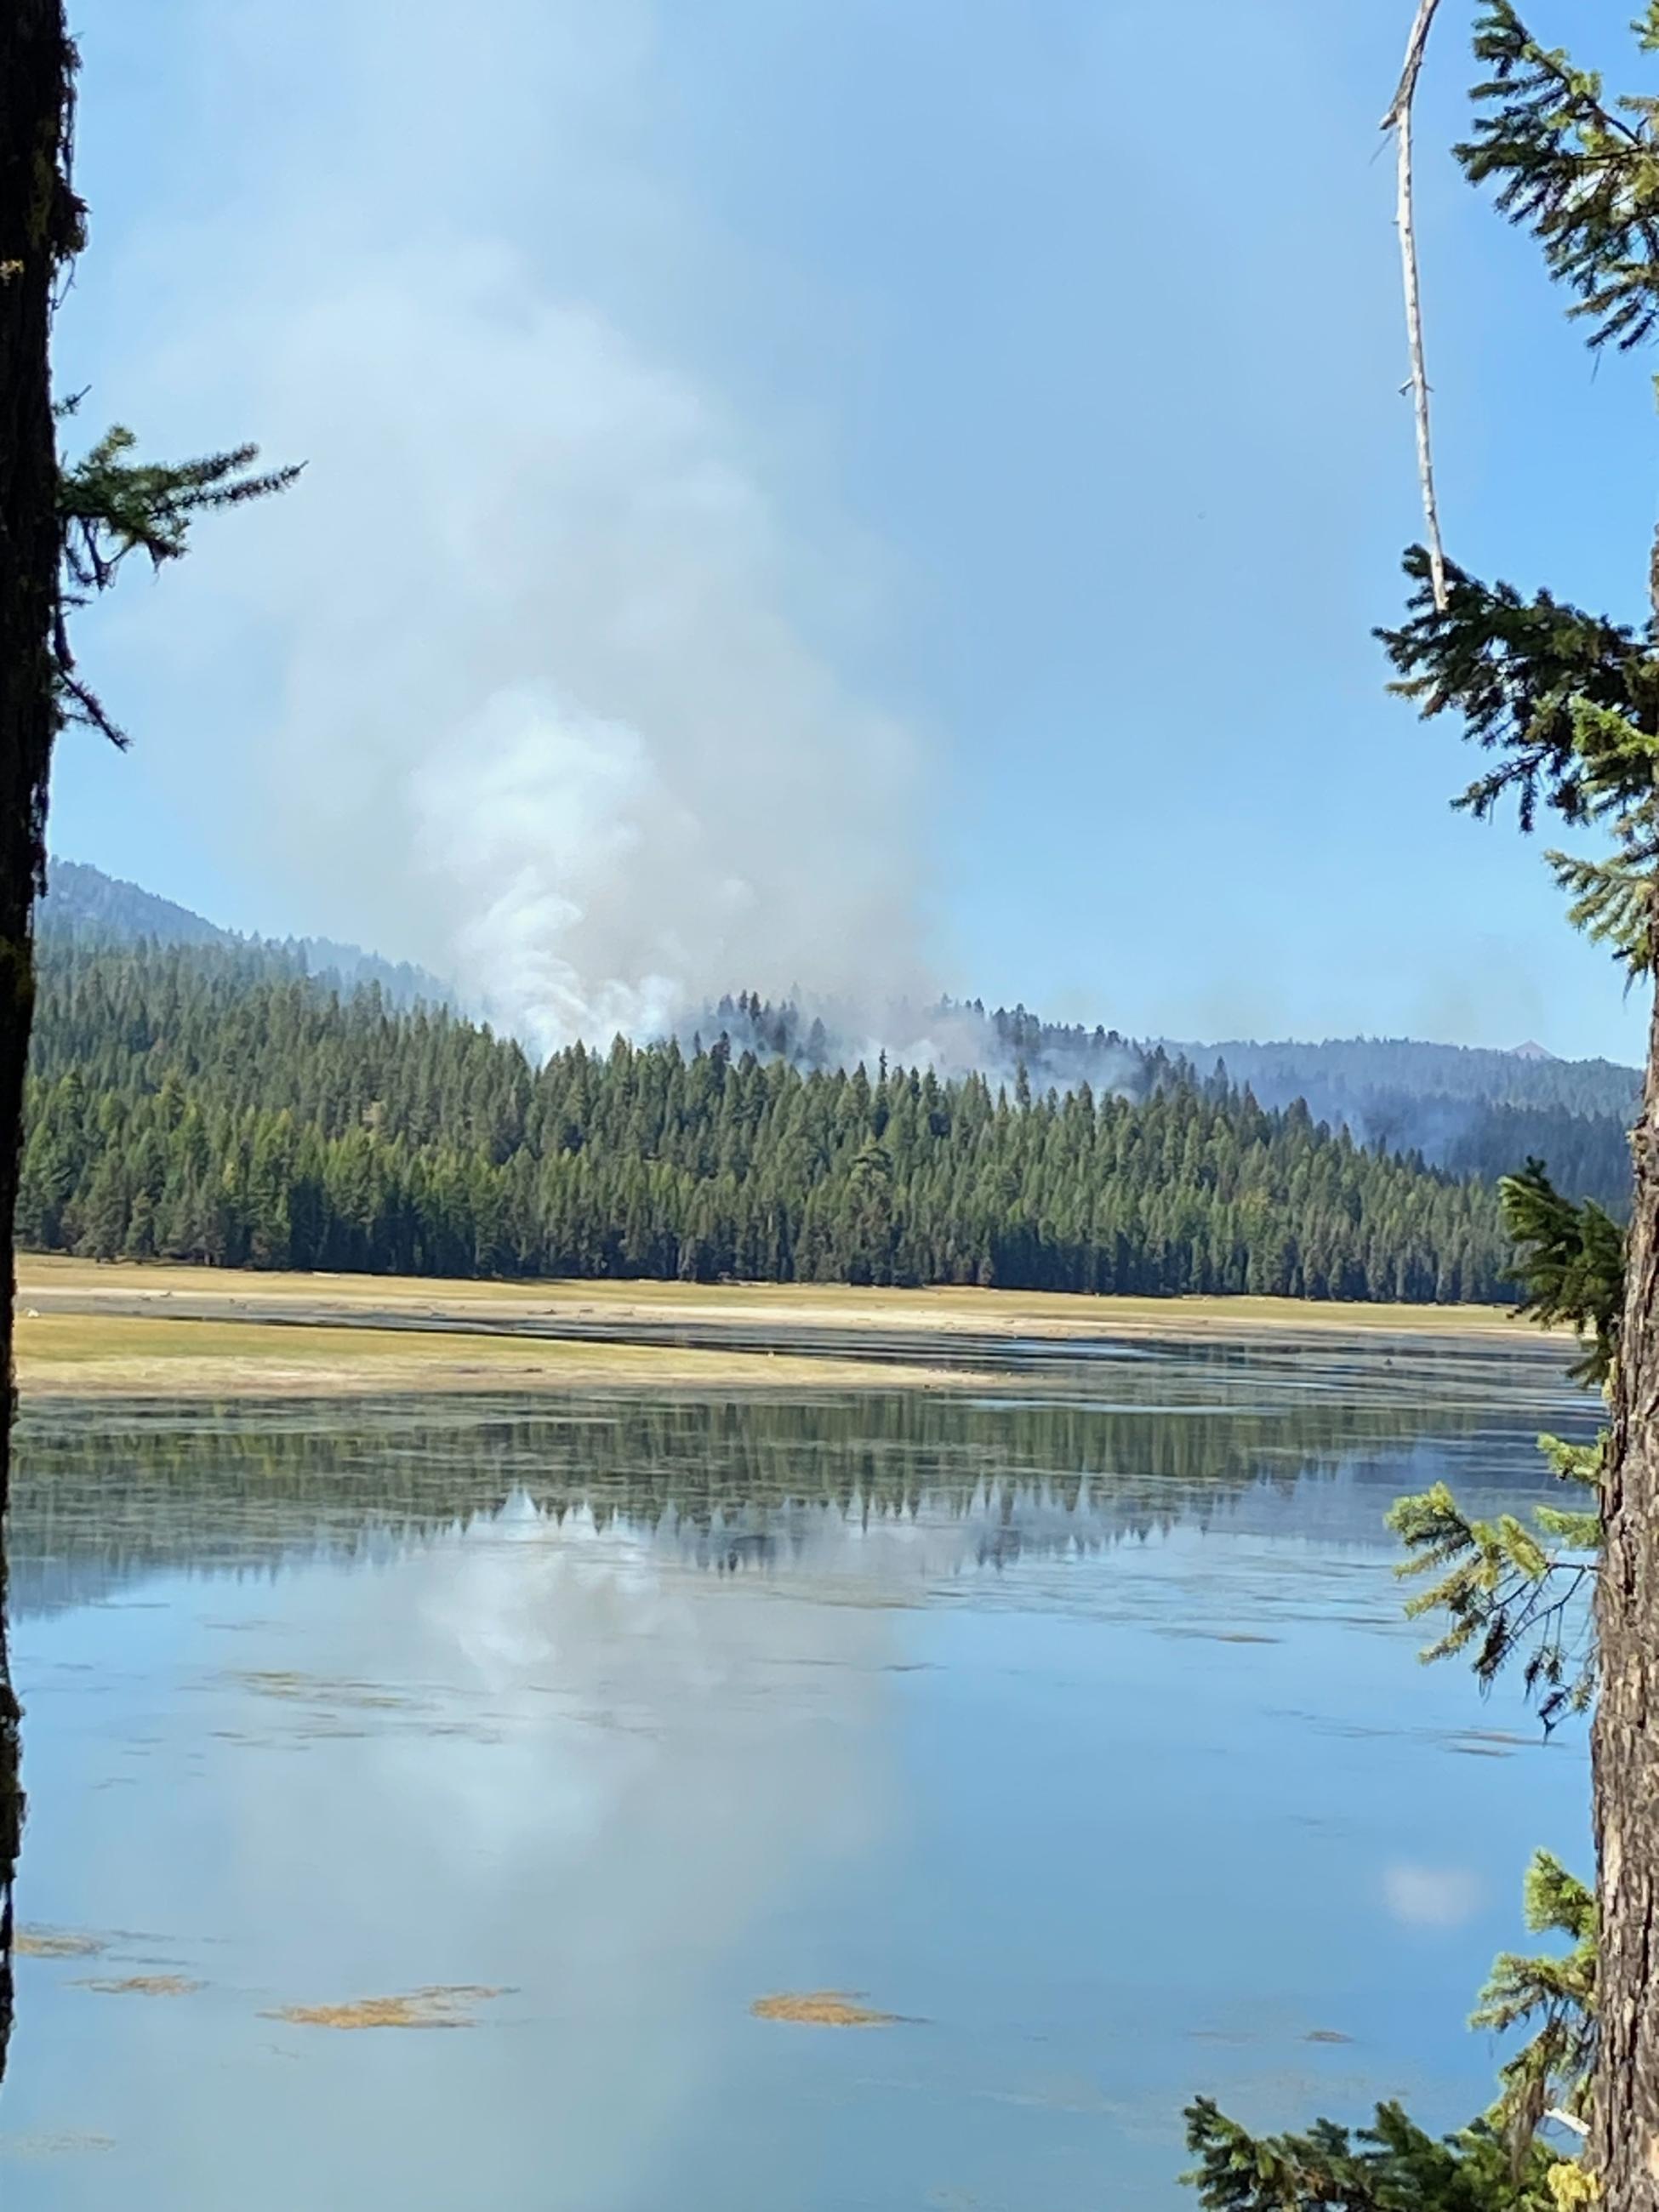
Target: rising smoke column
<point>518,682</point>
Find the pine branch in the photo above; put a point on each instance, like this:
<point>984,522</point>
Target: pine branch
<point>1391,2166</point>
<point>1613,902</point>
<point>1571,1261</point>
<point>1521,673</point>
<point>1553,1995</point>
<point>1503,1593</point>
<point>1580,172</point>
<point>110,506</point>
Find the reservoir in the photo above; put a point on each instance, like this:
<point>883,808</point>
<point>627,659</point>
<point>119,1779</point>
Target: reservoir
<point>424,1792</point>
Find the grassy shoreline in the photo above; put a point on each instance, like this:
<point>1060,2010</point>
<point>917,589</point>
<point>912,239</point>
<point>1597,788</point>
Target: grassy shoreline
<point>121,1328</point>
<point>123,1355</point>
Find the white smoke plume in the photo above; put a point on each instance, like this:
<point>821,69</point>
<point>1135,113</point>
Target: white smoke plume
<point>517,681</point>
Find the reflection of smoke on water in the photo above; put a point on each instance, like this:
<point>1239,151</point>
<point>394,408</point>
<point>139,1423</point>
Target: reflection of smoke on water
<point>621,1765</point>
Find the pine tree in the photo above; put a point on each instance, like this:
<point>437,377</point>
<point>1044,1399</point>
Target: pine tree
<point>272,1120</point>
<point>1567,702</point>
<point>1505,1592</point>
<point>65,533</point>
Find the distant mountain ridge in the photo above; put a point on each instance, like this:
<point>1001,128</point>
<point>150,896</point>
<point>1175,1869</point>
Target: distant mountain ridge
<point>83,901</point>
<point>1472,1110</point>
<point>83,905</point>
<point>1335,1074</point>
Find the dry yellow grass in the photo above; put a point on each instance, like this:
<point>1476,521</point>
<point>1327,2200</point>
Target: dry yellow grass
<point>1021,1313</point>
<point>56,1943</point>
<point>74,1354</point>
<point>440,2005</point>
<point>821,2009</point>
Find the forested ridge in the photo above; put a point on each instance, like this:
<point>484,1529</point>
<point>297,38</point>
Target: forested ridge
<point>85,907</point>
<point>1470,1111</point>
<point>1410,1067</point>
<point>199,1104</point>
<point>1348,1070</point>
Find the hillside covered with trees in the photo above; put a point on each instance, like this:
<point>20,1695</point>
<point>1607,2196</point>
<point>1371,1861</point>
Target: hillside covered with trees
<point>197,1103</point>
<point>84,906</point>
<point>1471,1111</point>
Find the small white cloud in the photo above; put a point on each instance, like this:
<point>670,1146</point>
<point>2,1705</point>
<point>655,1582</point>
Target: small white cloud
<point>1431,1897</point>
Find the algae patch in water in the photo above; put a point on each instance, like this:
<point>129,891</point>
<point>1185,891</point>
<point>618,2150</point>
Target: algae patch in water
<point>821,2009</point>
<point>56,1943</point>
<point>319,1689</point>
<point>44,2143</point>
<point>143,1985</point>
<point>439,2005</point>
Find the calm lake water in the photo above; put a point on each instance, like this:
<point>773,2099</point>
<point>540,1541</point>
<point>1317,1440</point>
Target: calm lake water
<point>1082,1732</point>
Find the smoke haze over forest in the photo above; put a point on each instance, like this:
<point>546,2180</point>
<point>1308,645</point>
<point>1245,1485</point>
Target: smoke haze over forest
<point>1473,1113</point>
<point>712,567</point>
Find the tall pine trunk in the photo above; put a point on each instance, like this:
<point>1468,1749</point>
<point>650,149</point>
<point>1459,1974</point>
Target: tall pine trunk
<point>1625,2146</point>
<point>38,224</point>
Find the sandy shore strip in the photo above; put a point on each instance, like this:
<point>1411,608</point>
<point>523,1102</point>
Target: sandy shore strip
<point>83,1355</point>
<point>51,1284</point>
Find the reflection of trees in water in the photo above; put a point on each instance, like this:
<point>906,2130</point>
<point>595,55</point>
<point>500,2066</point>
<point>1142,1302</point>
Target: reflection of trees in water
<point>103,1494</point>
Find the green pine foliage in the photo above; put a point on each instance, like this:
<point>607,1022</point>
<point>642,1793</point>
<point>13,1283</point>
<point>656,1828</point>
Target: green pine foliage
<point>1568,703</point>
<point>1569,700</point>
<point>1578,170</point>
<point>1505,1589</point>
<point>1553,1996</point>
<point>1570,1259</point>
<point>112,504</point>
<point>1390,2166</point>
<point>190,1103</point>
<point>1520,673</point>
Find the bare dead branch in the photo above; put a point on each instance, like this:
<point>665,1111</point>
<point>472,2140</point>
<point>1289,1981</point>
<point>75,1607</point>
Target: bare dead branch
<point>1399,120</point>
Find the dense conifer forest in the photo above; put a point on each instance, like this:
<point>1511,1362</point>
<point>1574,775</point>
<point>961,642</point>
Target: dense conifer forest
<point>1475,1113</point>
<point>1472,1111</point>
<point>203,1104</point>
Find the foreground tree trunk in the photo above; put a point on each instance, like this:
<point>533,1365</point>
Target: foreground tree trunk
<point>1625,2149</point>
<point>39,227</point>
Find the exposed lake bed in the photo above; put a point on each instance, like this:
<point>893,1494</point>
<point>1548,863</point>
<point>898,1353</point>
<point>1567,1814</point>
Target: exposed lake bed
<point>92,1327</point>
<point>1068,1732</point>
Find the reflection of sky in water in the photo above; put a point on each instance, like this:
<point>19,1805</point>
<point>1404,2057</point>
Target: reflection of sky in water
<point>1095,1748</point>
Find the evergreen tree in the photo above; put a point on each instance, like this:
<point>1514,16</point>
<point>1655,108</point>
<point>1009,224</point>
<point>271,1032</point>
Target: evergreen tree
<point>1505,1592</point>
<point>1567,703</point>
<point>265,1119</point>
<point>64,532</point>
<point>1390,2166</point>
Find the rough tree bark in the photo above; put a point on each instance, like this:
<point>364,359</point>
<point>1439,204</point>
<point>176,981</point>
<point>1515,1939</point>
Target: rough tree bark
<point>1625,2143</point>
<point>39,223</point>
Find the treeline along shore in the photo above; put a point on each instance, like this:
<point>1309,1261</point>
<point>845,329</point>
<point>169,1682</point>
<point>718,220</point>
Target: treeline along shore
<point>199,1103</point>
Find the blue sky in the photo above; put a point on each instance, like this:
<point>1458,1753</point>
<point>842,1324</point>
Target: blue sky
<point>887,493</point>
